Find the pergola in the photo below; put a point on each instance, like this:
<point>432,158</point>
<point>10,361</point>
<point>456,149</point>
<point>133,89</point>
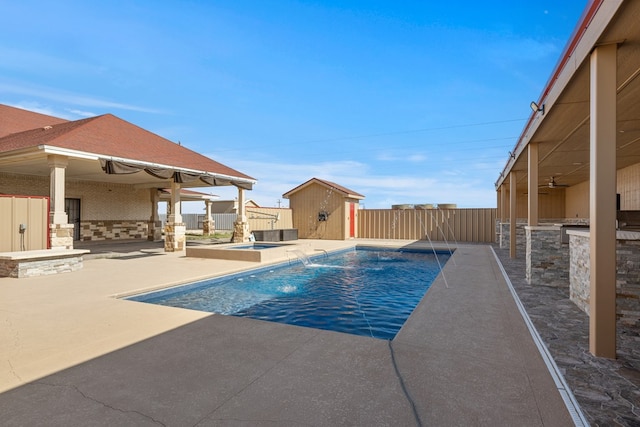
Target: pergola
<point>585,126</point>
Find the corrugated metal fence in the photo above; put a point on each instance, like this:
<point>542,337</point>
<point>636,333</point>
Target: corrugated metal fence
<point>460,225</point>
<point>194,221</point>
<point>258,218</point>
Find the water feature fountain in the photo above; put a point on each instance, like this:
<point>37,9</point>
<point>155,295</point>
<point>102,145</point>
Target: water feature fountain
<point>426,233</point>
<point>302,257</point>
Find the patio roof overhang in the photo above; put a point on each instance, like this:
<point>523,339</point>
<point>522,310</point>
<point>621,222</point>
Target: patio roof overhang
<point>562,130</point>
<point>89,166</point>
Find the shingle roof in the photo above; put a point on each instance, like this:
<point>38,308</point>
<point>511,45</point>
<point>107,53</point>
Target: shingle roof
<point>110,136</point>
<point>14,120</point>
<point>332,185</point>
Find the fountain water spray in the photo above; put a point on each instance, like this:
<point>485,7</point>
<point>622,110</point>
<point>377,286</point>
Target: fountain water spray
<point>426,233</point>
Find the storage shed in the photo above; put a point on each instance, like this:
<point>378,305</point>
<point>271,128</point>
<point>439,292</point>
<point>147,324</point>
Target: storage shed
<point>324,210</point>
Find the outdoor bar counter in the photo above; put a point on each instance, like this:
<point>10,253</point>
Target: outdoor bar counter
<point>627,278</point>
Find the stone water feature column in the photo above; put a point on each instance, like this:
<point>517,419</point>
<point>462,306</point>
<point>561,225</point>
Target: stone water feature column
<point>175,229</point>
<point>60,231</point>
<point>241,226</point>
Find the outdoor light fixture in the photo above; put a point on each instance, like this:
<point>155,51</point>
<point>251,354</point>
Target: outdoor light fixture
<point>536,108</point>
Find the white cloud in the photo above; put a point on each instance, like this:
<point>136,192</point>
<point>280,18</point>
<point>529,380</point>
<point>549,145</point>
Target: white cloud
<point>82,113</point>
<point>380,191</point>
<point>397,156</point>
<point>71,98</point>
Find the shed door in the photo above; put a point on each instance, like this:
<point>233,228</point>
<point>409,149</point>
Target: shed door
<point>72,208</point>
<point>352,220</point>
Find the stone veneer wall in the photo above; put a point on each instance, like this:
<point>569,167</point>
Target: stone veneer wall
<point>627,278</point>
<point>39,267</point>
<point>579,281</point>
<point>175,237</point>
<point>547,257</point>
<point>113,230</point>
<point>505,235</point>
<point>628,281</point>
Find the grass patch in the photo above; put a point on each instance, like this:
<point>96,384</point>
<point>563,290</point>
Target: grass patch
<point>216,235</point>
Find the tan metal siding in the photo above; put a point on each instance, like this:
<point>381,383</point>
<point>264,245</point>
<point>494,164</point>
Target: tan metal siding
<point>31,211</point>
<point>453,225</point>
<point>308,202</point>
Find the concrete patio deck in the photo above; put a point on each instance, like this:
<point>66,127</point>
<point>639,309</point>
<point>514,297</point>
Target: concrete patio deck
<point>73,354</point>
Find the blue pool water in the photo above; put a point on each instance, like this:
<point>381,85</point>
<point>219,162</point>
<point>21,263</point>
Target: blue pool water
<point>368,292</point>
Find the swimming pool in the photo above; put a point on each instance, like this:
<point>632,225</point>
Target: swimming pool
<point>366,291</point>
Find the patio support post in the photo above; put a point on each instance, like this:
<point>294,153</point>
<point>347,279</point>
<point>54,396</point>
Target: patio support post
<point>155,225</point>
<point>512,214</point>
<point>208,226</point>
<point>602,199</point>
<point>533,183</point>
<point>503,203</point>
<point>175,230</point>
<point>502,219</point>
<point>60,231</point>
<point>241,226</point>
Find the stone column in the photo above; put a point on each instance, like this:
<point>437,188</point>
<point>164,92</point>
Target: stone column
<point>155,225</point>
<point>60,231</point>
<point>602,200</point>
<point>208,226</point>
<point>241,226</point>
<point>175,229</point>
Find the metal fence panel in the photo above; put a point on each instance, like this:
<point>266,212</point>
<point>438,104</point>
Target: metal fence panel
<point>460,225</point>
<point>223,222</point>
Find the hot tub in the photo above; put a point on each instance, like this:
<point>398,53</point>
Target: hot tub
<point>254,252</point>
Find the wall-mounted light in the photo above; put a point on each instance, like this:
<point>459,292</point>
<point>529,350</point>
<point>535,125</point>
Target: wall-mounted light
<point>536,108</point>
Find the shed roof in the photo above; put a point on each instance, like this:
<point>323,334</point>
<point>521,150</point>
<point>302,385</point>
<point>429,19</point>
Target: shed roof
<point>331,185</point>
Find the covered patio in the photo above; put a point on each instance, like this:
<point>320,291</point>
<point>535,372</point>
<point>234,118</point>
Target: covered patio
<point>105,176</point>
<point>577,165</point>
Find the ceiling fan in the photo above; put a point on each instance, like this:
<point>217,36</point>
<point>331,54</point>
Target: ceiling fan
<point>552,184</point>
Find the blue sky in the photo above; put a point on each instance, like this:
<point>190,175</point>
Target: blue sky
<point>401,101</point>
